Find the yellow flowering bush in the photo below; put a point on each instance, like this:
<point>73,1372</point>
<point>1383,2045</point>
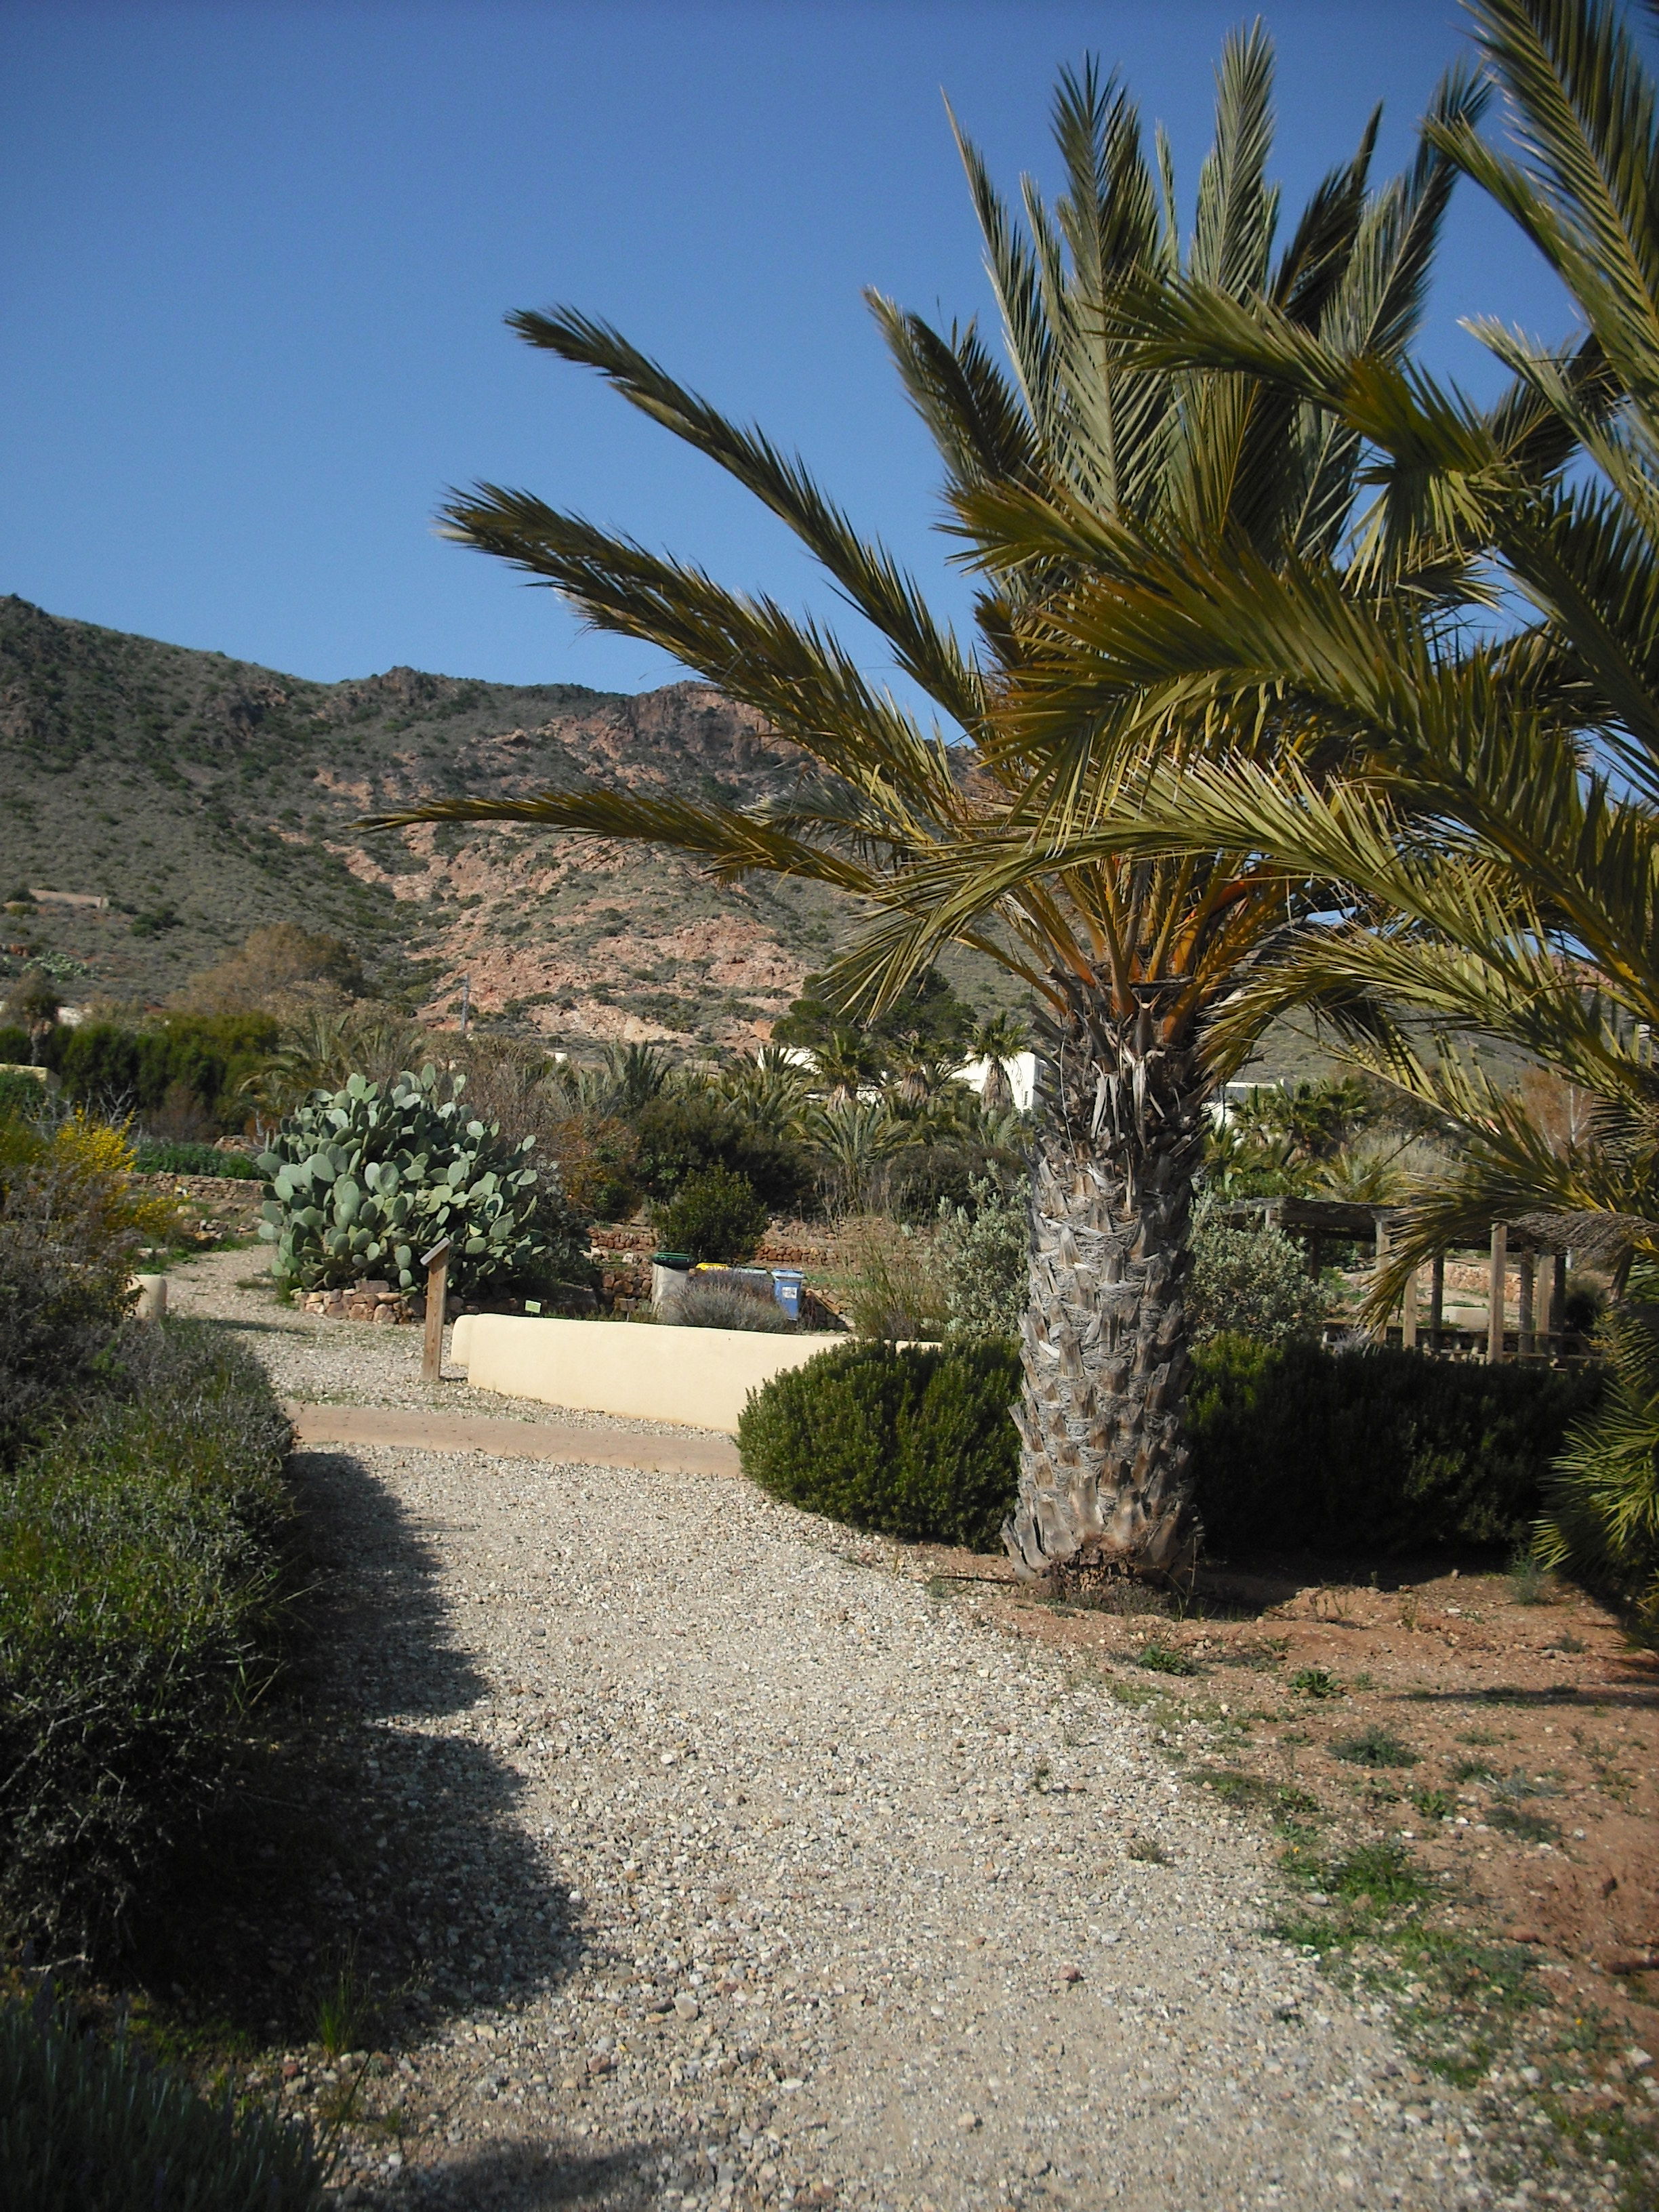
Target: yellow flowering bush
<point>73,1224</point>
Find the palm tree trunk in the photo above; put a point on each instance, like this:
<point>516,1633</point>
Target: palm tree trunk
<point>1104,1485</point>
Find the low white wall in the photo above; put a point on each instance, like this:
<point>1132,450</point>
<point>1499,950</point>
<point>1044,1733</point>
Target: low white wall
<point>647,1371</point>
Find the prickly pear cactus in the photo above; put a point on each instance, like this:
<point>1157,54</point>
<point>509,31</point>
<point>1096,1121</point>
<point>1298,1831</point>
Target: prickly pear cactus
<point>364,1181</point>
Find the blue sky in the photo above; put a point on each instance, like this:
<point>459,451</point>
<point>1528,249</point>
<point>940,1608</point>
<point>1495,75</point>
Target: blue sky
<point>256,257</point>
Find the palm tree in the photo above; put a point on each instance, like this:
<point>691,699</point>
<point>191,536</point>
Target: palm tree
<point>320,1046</point>
<point>1071,464</point>
<point>854,1142</point>
<point>845,1063</point>
<point>33,1005</point>
<point>918,1074</point>
<point>1496,857</point>
<point>769,1092</point>
<point>996,1039</point>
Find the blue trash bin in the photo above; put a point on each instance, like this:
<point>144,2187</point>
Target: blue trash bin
<point>786,1284</point>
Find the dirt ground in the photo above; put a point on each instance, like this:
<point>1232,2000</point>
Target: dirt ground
<point>1490,1737</point>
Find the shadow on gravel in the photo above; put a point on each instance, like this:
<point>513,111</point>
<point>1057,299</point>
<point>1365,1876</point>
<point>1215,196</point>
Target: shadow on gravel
<point>361,1882</point>
<point>526,2179</point>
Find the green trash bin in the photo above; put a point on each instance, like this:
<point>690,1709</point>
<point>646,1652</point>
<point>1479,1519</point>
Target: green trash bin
<point>669,1273</point>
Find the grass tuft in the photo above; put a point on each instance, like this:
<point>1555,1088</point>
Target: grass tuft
<point>1373,1747</point>
<point>1529,1581</point>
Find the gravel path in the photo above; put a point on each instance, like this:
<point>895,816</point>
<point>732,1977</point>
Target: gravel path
<point>334,1362</point>
<point>751,1873</point>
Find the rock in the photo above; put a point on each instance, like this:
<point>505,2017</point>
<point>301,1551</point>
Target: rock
<point>968,2122</point>
<point>687,2006</point>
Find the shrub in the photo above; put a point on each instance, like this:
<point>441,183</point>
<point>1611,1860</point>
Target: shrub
<point>88,2126</point>
<point>704,1304</point>
<point>681,1133</point>
<point>364,1182</point>
<point>987,1259</point>
<point>193,1159</point>
<point>1294,1447</point>
<point>716,1215</point>
<point>922,1179</point>
<point>596,1154</point>
<point>22,1097</point>
<point>71,1230</point>
<point>1371,1451</point>
<point>1251,1282</point>
<point>139,1588</point>
<point>917,1443</point>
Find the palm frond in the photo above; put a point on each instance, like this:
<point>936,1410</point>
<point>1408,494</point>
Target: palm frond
<point>868,576</point>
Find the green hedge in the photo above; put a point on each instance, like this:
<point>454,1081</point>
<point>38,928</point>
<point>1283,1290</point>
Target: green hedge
<point>1352,1454</point>
<point>141,1583</point>
<point>88,2126</point>
<point>115,1069</point>
<point>193,1159</point>
<point>1376,1451</point>
<point>915,1443</point>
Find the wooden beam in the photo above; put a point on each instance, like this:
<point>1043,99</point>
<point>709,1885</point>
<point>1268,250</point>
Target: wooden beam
<point>1408,1313</point>
<point>1436,1297</point>
<point>1526,1341</point>
<point>437,1263</point>
<point>1496,1284</point>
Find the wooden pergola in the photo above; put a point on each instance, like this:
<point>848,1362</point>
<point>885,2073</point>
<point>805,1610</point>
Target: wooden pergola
<point>1317,1222</point>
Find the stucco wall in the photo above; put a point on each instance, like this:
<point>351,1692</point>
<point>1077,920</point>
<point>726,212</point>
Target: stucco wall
<point>644,1371</point>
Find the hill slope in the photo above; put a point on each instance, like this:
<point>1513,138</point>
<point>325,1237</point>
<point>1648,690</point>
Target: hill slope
<point>203,795</point>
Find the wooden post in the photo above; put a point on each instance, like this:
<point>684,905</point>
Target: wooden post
<point>1380,1235</point>
<point>1497,1284</point>
<point>1437,1299</point>
<point>1559,1302</point>
<point>1526,1341</point>
<point>1408,1313</point>
<point>437,1263</point>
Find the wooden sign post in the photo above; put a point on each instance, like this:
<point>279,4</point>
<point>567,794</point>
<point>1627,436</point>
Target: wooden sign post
<point>437,1263</point>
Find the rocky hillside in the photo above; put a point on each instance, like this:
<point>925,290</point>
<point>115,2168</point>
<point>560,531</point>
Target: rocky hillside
<point>201,796</point>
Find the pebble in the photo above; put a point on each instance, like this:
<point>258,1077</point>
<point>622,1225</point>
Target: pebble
<point>657,1733</point>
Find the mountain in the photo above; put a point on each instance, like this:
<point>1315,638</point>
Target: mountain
<point>201,796</point>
